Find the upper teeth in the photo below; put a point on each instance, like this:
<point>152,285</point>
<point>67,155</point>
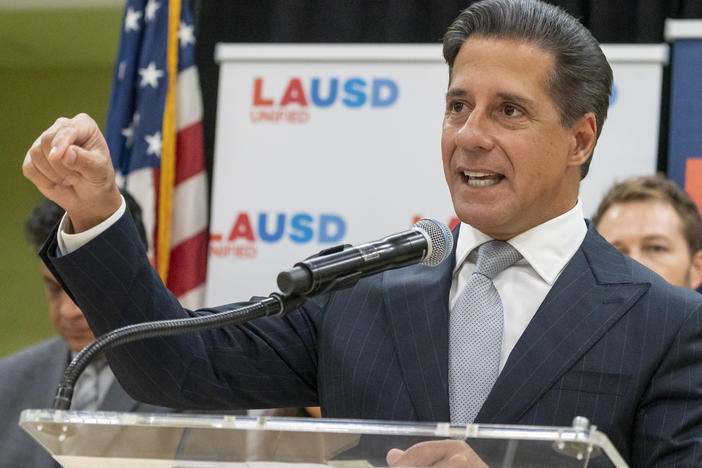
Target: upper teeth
<point>477,174</point>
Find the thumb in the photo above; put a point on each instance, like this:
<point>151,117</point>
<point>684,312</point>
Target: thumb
<point>69,156</point>
<point>92,165</point>
<point>393,456</point>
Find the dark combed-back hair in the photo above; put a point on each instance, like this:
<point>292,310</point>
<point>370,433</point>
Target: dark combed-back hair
<point>658,188</point>
<point>40,223</point>
<point>47,214</point>
<point>581,80</point>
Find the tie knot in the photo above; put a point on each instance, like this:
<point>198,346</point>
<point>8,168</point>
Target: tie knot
<point>93,370</point>
<point>495,256</point>
<point>99,364</point>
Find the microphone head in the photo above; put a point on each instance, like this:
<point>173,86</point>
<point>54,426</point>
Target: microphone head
<point>439,240</point>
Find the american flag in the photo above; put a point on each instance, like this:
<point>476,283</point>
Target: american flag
<point>154,131</point>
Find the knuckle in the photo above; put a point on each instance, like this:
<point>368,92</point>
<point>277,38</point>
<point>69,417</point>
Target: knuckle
<point>105,166</point>
<point>28,168</point>
<point>83,117</point>
<point>65,132</point>
<point>60,121</point>
<point>29,157</point>
<point>46,138</point>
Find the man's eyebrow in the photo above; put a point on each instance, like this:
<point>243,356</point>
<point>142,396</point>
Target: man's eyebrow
<point>656,237</point>
<point>455,92</point>
<point>517,99</point>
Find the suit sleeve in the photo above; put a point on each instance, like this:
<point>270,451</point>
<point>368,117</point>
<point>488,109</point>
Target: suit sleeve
<point>668,429</point>
<point>270,362</point>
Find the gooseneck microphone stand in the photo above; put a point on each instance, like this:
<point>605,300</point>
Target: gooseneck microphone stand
<point>340,267</point>
<point>275,304</point>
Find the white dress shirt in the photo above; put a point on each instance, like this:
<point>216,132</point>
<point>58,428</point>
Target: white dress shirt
<point>546,249</point>
<point>69,242</point>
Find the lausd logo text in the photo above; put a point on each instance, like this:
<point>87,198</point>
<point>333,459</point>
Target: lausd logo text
<point>292,102</point>
<point>299,228</point>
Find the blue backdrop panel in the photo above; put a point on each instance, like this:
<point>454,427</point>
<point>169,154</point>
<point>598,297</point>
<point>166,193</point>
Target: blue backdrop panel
<point>686,113</point>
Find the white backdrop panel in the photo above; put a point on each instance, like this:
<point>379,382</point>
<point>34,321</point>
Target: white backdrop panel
<point>298,168</point>
<point>628,145</point>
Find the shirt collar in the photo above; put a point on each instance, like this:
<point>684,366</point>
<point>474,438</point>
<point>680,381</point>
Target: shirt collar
<point>547,247</point>
<point>99,362</point>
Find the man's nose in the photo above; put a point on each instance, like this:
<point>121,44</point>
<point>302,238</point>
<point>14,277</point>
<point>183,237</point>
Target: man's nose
<point>637,255</point>
<point>68,308</point>
<point>475,134</point>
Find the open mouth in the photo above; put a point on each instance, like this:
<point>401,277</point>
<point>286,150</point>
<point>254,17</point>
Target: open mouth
<point>481,179</point>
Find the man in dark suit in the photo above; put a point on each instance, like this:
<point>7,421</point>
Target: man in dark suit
<point>28,378</point>
<point>575,327</point>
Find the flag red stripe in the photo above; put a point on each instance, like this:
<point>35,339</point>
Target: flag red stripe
<point>189,152</point>
<point>188,264</point>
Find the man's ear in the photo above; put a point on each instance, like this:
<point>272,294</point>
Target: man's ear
<point>584,133</point>
<point>695,273</point>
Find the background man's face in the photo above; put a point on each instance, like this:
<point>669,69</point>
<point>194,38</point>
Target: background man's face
<point>67,318</point>
<point>507,158</point>
<point>651,232</point>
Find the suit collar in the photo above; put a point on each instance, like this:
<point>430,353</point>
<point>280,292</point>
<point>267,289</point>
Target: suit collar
<point>609,266</point>
<point>592,293</point>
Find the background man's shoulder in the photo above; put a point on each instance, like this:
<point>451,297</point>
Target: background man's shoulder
<point>29,360</point>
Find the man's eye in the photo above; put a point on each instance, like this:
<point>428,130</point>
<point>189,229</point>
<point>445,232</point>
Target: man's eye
<point>657,248</point>
<point>457,106</point>
<point>510,110</point>
<point>53,290</point>
<point>623,250</point>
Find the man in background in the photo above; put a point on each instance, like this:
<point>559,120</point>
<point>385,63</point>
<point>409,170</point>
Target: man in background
<point>657,224</point>
<point>28,378</point>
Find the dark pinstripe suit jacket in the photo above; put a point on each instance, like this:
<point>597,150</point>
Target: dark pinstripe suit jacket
<point>611,341</point>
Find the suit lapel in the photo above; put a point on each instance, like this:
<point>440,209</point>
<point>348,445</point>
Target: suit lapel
<point>592,293</point>
<point>416,300</point>
<point>57,360</point>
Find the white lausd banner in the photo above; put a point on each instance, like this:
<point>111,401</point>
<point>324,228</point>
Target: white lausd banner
<point>628,145</point>
<point>320,145</point>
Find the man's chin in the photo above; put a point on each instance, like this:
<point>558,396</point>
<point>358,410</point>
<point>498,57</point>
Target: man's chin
<point>77,346</point>
<point>483,218</point>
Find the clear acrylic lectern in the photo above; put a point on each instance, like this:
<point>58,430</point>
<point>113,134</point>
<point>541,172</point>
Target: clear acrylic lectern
<point>79,439</point>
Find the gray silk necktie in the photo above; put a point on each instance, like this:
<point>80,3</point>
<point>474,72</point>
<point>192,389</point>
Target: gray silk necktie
<point>87,392</point>
<point>475,333</point>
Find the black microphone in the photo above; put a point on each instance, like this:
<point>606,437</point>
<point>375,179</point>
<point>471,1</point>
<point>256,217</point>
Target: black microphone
<point>428,242</point>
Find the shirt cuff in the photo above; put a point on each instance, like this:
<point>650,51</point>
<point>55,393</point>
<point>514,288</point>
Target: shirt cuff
<point>68,243</point>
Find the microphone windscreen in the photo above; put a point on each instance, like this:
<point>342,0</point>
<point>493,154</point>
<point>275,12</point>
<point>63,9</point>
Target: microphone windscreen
<point>439,241</point>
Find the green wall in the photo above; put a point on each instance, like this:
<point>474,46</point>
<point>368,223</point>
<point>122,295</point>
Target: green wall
<point>46,71</point>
